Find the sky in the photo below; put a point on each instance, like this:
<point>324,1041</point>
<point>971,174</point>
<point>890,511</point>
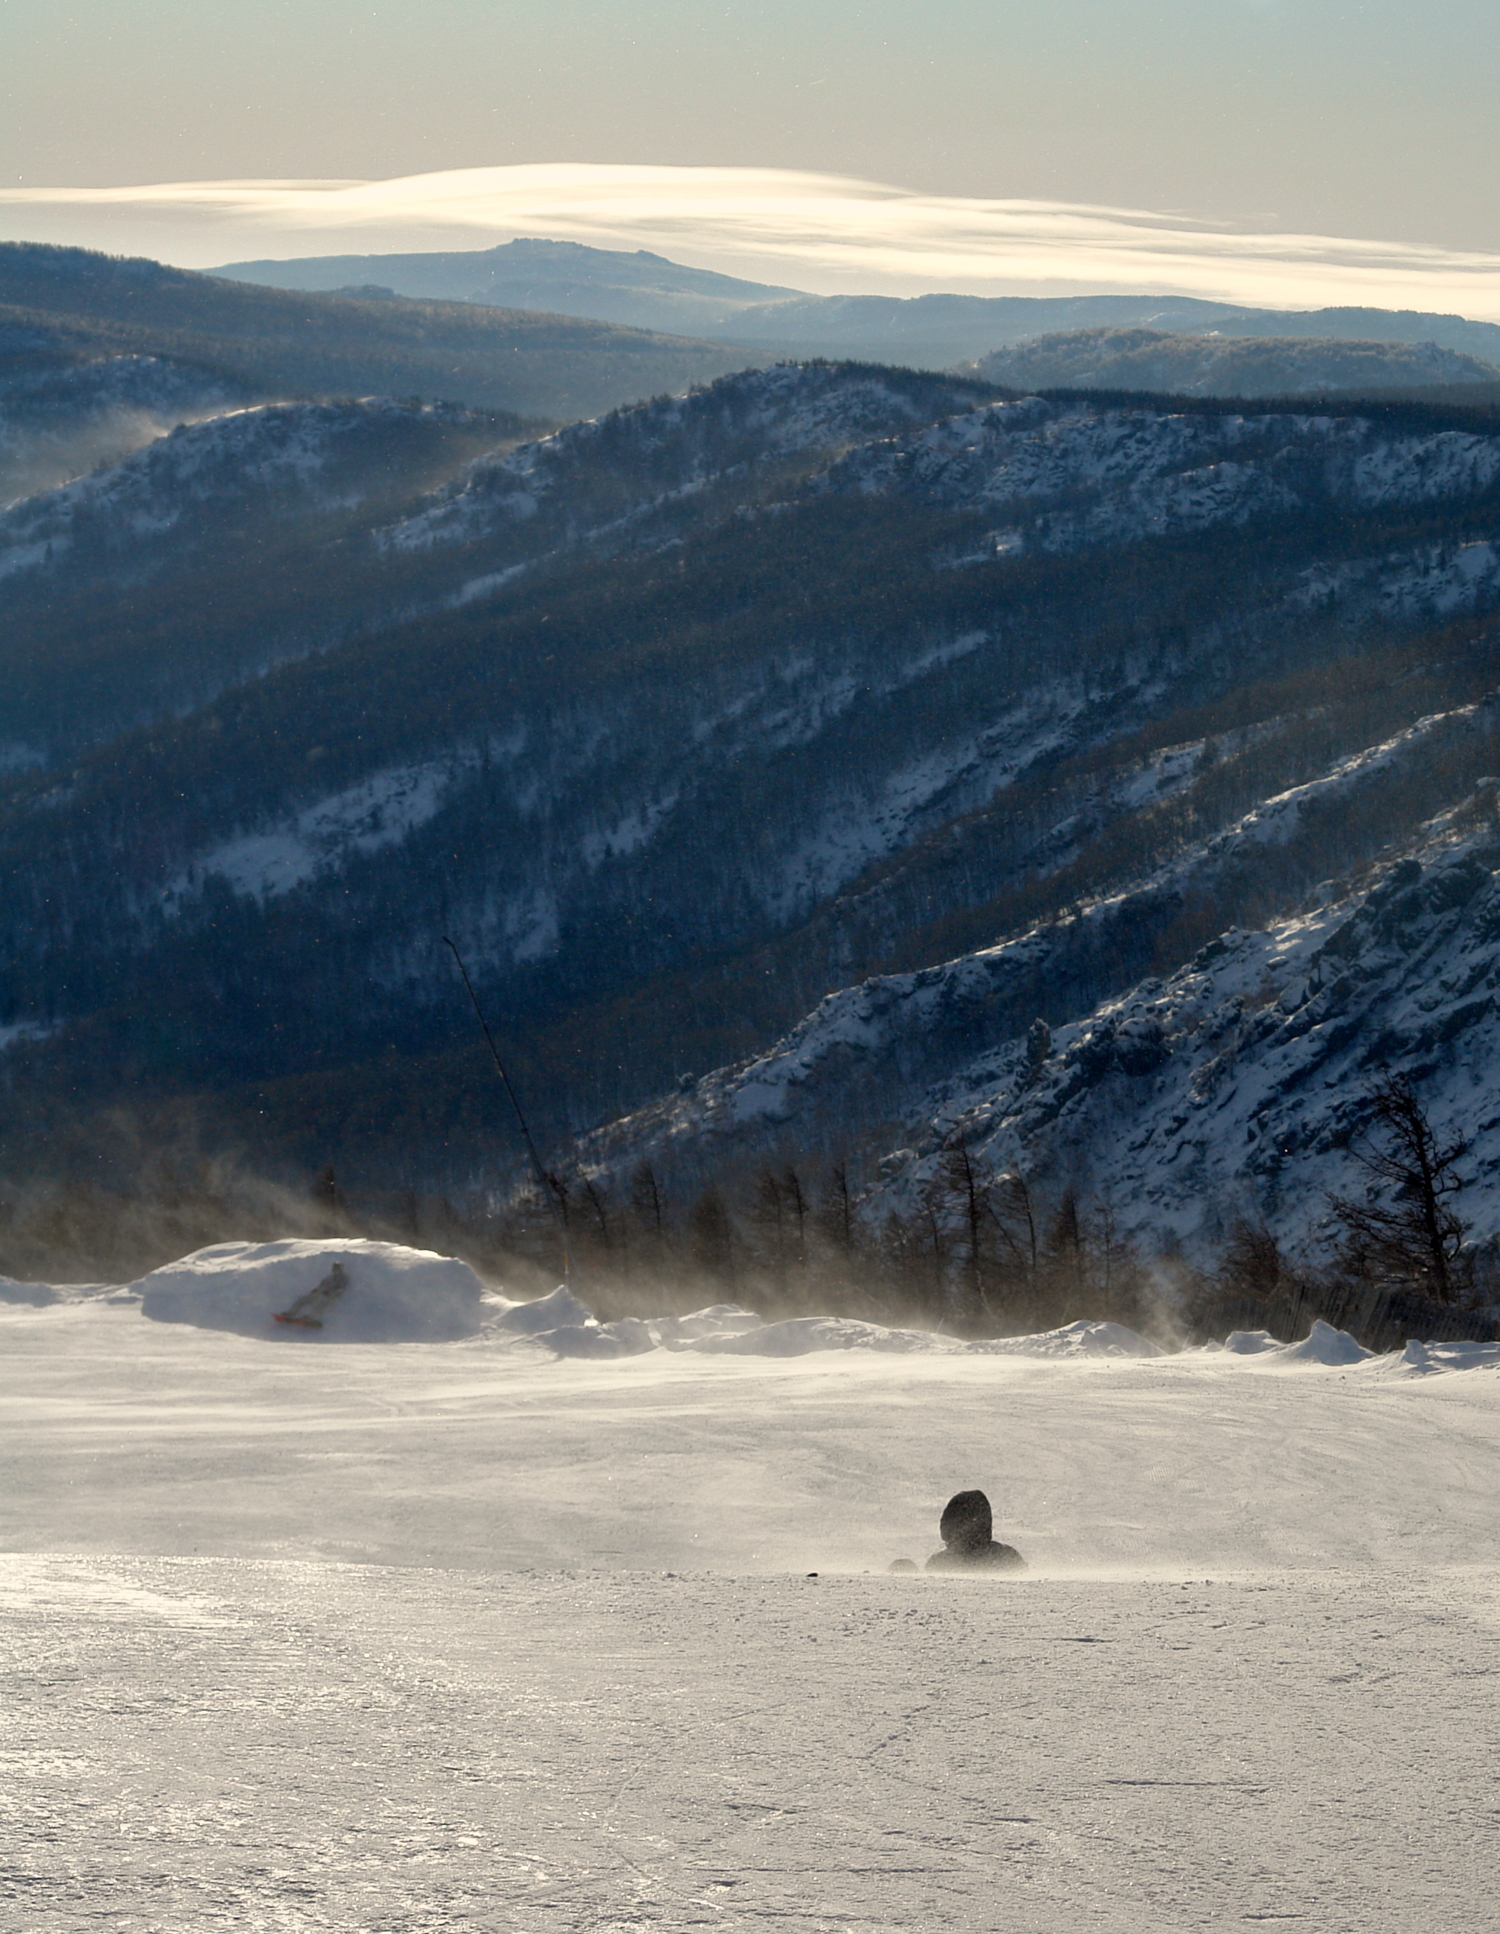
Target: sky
<point>1293,117</point>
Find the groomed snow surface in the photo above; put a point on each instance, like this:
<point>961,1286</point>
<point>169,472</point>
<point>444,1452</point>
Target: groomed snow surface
<point>490,1634</point>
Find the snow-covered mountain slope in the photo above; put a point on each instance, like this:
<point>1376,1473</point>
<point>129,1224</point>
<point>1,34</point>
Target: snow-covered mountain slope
<point>771,711</point>
<point>276,530</point>
<point>1217,365</point>
<point>1064,477</point>
<point>61,419</point>
<point>1226,1089</point>
<point>621,468</point>
<point>285,462</point>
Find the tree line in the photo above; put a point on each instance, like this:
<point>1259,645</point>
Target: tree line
<point>983,1253</point>
<point>970,1251</point>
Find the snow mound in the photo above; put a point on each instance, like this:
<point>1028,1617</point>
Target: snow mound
<point>1423,1359</point>
<point>569,1327</point>
<point>1073,1340</point>
<point>565,1325</point>
<point>560,1310</point>
<point>1326,1345</point>
<point>1251,1342</point>
<point>800,1335</point>
<point>592,1339</point>
<point>37,1294</point>
<point>395,1295</point>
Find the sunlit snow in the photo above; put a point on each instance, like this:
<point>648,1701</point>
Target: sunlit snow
<point>484,1635</point>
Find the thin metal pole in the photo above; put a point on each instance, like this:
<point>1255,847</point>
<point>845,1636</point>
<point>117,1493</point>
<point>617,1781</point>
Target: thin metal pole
<point>543,1180</point>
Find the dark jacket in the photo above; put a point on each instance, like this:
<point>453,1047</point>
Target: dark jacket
<point>967,1525</point>
<point>986,1557</point>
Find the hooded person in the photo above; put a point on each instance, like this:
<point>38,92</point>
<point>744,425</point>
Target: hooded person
<point>968,1543</point>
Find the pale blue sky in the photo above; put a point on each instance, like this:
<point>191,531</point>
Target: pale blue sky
<point>1374,119</point>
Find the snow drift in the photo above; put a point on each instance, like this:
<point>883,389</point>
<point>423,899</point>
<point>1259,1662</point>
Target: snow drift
<point>399,1295</point>
<point>395,1295</point>
<point>569,1328</point>
<point>39,1294</point>
<point>566,1326</point>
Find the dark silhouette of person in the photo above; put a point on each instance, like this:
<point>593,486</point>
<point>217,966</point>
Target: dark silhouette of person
<point>308,1311</point>
<point>968,1543</point>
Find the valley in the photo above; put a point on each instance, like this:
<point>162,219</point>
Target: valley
<point>781,756</point>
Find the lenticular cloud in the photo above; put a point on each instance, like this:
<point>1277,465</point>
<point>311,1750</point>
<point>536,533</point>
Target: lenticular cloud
<point>828,233</point>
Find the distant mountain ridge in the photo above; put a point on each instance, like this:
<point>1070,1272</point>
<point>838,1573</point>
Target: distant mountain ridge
<point>1218,365</point>
<point>642,290</point>
<point>72,305</point>
<point>648,291</point>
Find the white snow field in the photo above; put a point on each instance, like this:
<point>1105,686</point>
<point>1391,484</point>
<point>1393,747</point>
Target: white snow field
<point>406,1638</point>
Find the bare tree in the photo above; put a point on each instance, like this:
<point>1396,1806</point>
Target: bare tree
<point>1253,1286</point>
<point>1067,1258</point>
<point>767,1215</point>
<point>712,1237</point>
<point>598,1207</point>
<point>1406,1231</point>
<point>646,1203</point>
<point>970,1191</point>
<point>794,1196</point>
<point>835,1218</point>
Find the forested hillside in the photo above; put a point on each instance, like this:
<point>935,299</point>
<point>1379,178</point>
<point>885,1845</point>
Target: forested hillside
<point>72,305</point>
<point>1225,365</point>
<point>679,722</point>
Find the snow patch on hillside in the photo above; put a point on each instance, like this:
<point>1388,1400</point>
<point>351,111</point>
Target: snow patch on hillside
<point>864,828</point>
<point>1433,581</point>
<point>15,1033</point>
<point>377,812</point>
<point>627,834</point>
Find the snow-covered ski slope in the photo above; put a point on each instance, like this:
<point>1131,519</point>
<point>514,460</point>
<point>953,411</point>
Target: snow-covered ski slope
<point>472,1636</point>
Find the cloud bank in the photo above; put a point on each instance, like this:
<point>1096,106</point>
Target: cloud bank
<point>826,233</point>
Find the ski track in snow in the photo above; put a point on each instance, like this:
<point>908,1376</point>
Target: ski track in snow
<point>213,1744</point>
<point>462,1637</point>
